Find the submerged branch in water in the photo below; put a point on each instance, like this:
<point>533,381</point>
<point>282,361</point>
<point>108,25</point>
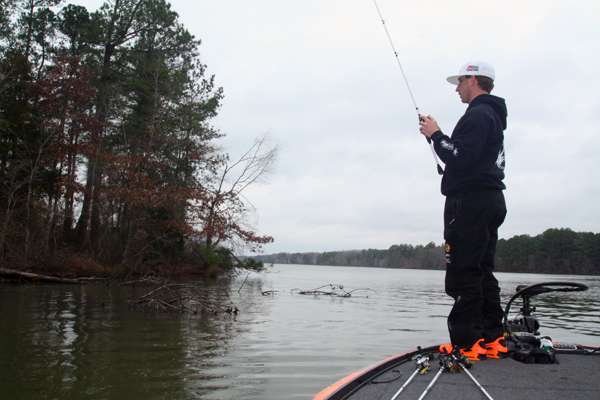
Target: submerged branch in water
<point>335,290</point>
<point>185,298</point>
<point>23,276</point>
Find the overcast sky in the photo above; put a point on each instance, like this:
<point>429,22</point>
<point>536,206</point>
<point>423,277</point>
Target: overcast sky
<point>319,79</point>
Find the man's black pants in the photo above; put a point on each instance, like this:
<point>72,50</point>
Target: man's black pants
<point>471,222</point>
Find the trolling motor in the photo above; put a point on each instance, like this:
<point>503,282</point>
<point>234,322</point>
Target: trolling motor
<point>522,332</point>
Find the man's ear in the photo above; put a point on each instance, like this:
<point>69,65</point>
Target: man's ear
<point>474,83</point>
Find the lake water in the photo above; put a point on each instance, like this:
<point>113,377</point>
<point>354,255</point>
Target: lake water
<point>87,342</point>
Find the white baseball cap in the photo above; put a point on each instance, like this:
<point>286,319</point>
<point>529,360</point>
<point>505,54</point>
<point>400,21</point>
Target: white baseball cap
<point>477,68</point>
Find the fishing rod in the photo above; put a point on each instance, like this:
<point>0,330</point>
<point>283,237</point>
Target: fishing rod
<point>438,163</point>
<point>433,381</point>
<point>479,386</point>
<point>450,364</point>
<point>421,368</point>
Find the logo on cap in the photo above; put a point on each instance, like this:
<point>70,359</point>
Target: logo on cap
<point>473,68</point>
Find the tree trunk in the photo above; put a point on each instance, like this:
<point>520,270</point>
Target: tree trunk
<point>70,190</point>
<point>88,219</point>
<point>6,223</point>
<point>31,277</point>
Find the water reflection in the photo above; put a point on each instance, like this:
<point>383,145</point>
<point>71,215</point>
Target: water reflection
<point>63,342</point>
<point>73,342</point>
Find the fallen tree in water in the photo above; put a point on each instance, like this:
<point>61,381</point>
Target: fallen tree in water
<point>335,290</point>
<point>185,298</point>
<point>13,274</point>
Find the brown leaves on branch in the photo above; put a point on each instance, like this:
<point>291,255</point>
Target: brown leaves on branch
<point>223,212</point>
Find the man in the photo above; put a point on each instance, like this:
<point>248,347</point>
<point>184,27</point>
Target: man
<point>474,209</point>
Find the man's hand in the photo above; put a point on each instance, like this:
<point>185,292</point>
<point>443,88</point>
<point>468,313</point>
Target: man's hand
<point>427,125</point>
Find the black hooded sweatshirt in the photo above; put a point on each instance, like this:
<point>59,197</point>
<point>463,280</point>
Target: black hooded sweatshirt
<point>474,154</point>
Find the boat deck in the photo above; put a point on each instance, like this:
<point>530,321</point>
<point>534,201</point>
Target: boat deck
<point>575,377</point>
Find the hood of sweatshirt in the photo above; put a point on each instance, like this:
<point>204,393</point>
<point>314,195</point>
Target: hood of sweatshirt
<point>496,103</point>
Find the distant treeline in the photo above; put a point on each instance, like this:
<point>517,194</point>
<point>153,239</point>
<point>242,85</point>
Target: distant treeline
<point>556,251</point>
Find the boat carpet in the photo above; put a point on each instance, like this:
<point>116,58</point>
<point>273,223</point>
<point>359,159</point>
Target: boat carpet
<point>575,377</point>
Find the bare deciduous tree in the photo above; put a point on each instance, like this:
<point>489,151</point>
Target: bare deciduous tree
<point>223,214</point>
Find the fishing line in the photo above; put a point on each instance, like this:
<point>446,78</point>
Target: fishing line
<point>387,32</point>
<point>438,164</point>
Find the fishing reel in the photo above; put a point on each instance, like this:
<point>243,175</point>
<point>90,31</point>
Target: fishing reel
<point>423,363</point>
<point>522,332</point>
<point>451,362</point>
